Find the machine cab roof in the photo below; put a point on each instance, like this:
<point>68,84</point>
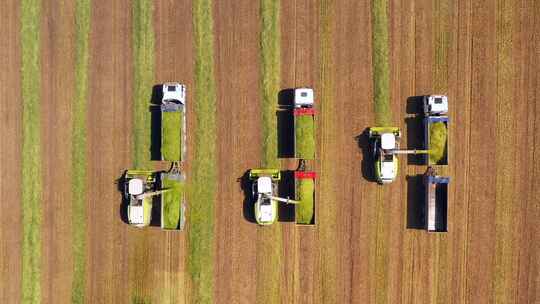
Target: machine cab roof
<point>388,141</point>
<point>173,91</point>
<point>303,97</point>
<point>264,185</point>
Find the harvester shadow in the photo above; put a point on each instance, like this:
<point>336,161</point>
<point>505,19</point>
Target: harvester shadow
<point>367,165</point>
<point>414,105</point>
<point>286,212</point>
<point>124,203</point>
<point>155,130</point>
<point>415,202</point>
<point>249,201</point>
<point>415,139</point>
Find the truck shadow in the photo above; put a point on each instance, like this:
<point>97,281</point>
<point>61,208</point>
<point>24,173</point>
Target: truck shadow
<point>368,160</point>
<point>120,182</point>
<point>285,123</point>
<point>414,105</point>
<point>285,130</point>
<point>415,202</point>
<point>286,212</point>
<point>155,128</point>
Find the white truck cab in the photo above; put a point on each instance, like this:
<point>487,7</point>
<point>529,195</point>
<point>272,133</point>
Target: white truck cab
<point>303,98</point>
<point>174,91</point>
<point>435,105</point>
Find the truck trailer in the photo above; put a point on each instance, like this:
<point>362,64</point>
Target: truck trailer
<point>436,201</point>
<point>304,191</point>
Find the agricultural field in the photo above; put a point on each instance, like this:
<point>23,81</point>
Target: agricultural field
<point>76,89</point>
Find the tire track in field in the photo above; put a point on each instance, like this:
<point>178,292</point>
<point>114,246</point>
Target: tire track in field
<point>481,239</point>
<point>109,113</point>
<point>505,156</point>
<point>327,213</point>
<point>11,230</point>
<point>239,148</point>
<point>56,98</point>
<point>174,62</point>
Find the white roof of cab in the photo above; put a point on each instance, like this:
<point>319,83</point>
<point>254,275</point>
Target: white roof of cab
<point>388,141</point>
<point>174,91</point>
<point>136,214</point>
<point>264,184</point>
<point>303,96</point>
<point>135,186</point>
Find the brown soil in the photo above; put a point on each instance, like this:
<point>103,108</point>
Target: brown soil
<point>57,91</point>
<point>238,94</point>
<point>361,249</point>
<point>10,155</point>
<point>109,150</point>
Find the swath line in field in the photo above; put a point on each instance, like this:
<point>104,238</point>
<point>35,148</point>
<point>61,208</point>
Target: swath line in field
<point>78,153</point>
<point>31,151</point>
<point>203,185</point>
<point>269,239</point>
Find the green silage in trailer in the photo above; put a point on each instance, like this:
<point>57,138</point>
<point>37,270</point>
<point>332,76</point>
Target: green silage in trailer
<point>172,202</point>
<point>437,142</point>
<point>171,135</point>
<point>304,130</point>
<point>305,189</point>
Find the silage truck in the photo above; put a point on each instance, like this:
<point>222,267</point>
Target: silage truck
<point>173,122</point>
<point>304,124</point>
<point>143,187</point>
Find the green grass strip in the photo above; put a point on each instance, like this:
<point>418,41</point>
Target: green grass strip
<point>381,69</point>
<point>31,151</point>
<point>270,239</point>
<point>143,81</point>
<point>202,190</point>
<point>304,210</point>
<point>383,117</point>
<point>78,152</point>
<point>305,137</point>
<point>270,78</point>
<point>327,216</point>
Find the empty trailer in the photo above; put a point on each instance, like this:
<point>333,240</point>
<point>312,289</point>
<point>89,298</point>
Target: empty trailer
<point>436,201</point>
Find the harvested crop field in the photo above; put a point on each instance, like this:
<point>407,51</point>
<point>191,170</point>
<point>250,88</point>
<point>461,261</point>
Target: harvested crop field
<point>64,236</point>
